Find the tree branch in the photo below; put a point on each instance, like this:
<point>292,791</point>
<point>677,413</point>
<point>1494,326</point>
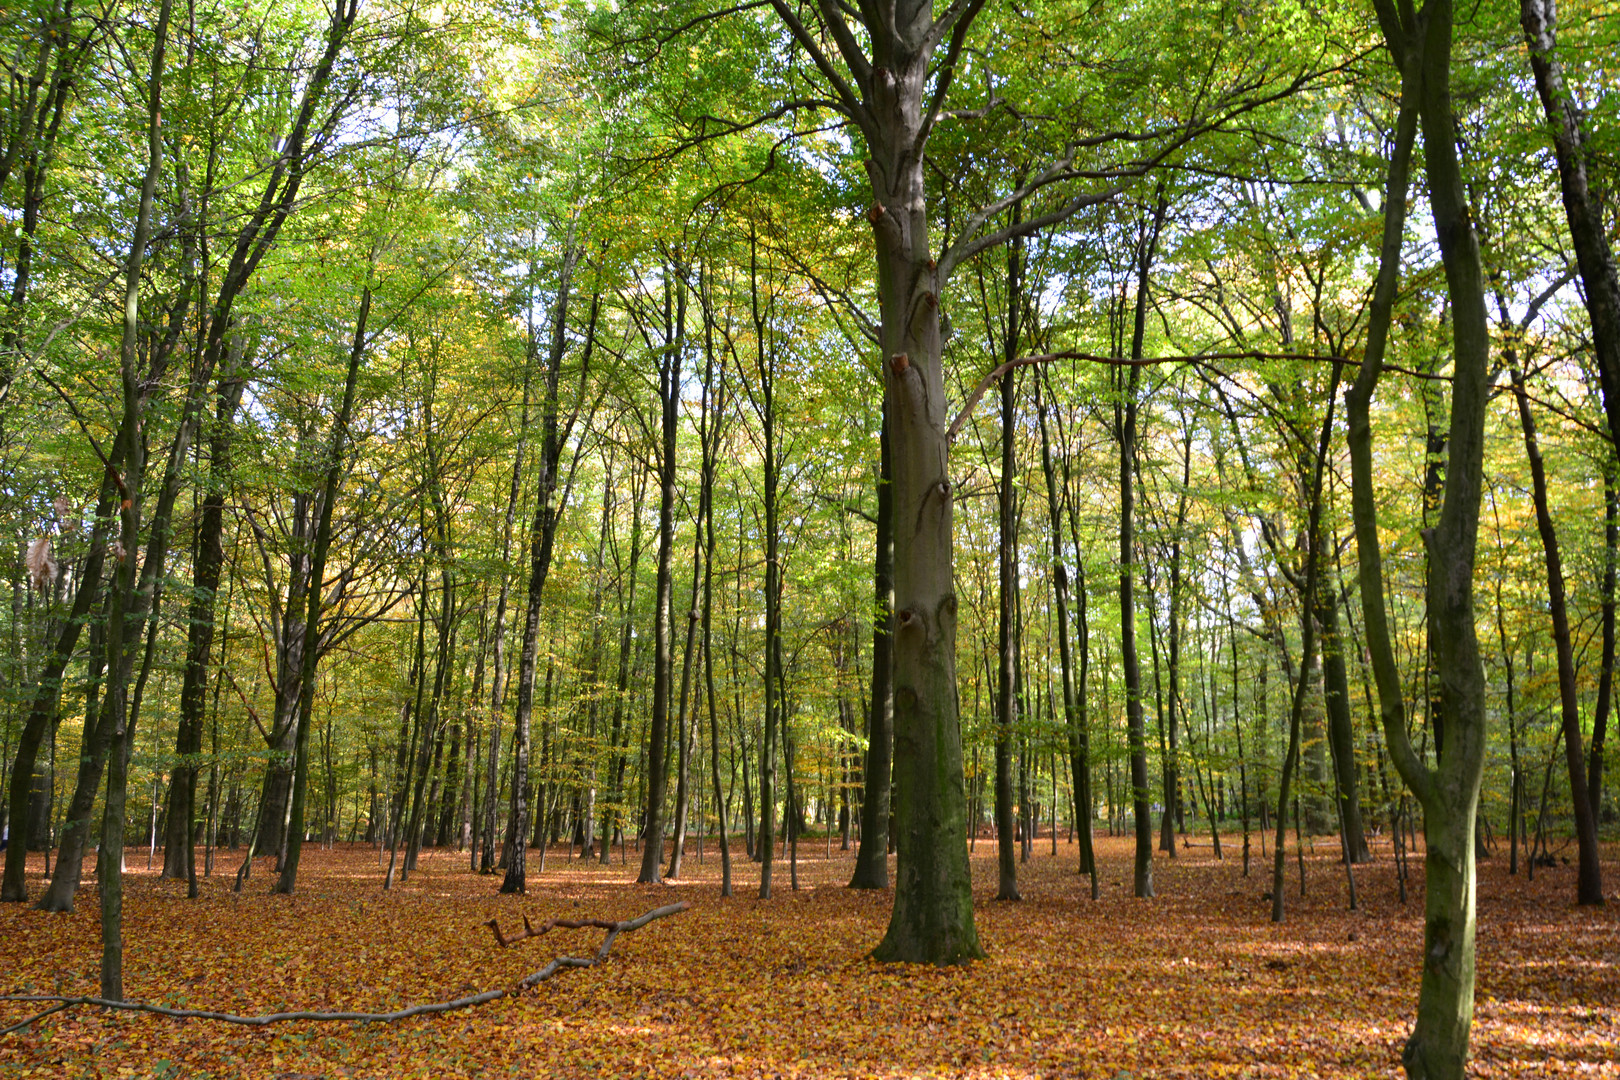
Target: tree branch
<point>61,1001</point>
<point>846,93</point>
<point>956,20</point>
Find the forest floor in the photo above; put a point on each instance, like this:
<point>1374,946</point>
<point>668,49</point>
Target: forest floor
<point>1194,983</point>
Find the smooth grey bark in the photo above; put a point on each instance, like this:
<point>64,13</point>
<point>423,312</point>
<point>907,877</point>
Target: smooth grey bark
<point>889,70</point>
<point>932,916</point>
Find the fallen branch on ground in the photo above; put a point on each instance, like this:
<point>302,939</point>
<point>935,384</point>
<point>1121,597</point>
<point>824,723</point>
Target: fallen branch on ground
<point>59,1002</point>
<point>613,928</point>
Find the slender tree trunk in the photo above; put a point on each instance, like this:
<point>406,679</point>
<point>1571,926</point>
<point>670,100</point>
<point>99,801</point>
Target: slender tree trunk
<point>554,432</point>
<point>1125,430</point>
<point>42,713</point>
<point>179,853</point>
<point>613,814</point>
<point>720,808</point>
<point>872,854</point>
<point>1583,208</point>
<point>1307,662</point>
<point>764,401</point>
<point>1074,702</point>
<point>686,721</point>
<point>1589,878</point>
<point>669,393</point>
<point>488,860</point>
<point>337,453</point>
<point>1421,44</point>
<point>127,612</point>
<point>1605,692</point>
<point>1007,652</point>
<point>1340,729</point>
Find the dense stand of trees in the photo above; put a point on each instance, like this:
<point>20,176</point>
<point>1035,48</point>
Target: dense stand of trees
<point>1298,508</point>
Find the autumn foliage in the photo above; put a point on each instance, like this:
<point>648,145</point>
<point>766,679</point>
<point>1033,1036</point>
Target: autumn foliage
<point>1194,983</point>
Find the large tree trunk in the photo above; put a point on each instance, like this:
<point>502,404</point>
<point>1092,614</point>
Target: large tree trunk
<point>932,917</point>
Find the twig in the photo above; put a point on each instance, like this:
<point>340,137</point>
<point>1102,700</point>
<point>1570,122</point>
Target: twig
<point>614,929</point>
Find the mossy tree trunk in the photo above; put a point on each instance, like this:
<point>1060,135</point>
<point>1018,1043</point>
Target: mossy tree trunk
<point>1420,42</point>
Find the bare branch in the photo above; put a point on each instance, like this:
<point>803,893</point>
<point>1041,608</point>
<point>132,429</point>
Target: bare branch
<point>986,383</point>
<point>62,1001</point>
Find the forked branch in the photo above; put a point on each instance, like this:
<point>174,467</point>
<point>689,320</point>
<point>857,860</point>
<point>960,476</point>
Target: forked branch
<point>59,1002</point>
<point>613,928</point>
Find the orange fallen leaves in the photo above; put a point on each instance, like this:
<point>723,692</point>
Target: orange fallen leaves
<point>1195,983</point>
